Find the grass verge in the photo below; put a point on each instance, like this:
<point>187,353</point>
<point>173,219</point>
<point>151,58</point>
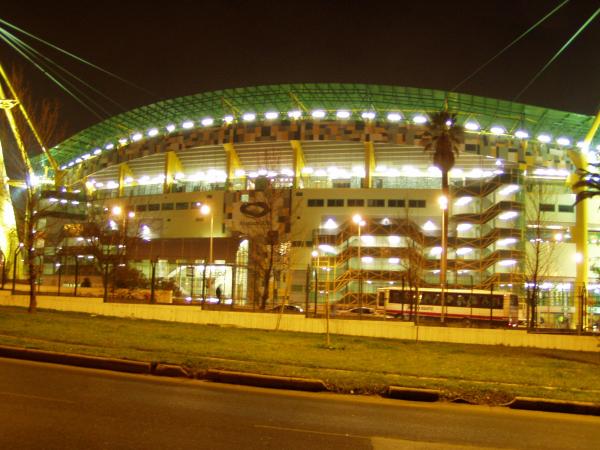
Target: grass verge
<point>477,373</point>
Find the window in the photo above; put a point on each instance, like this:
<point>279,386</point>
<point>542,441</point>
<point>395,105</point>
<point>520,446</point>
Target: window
<point>416,203</point>
<point>566,208</point>
<point>396,203</point>
<point>141,208</point>
<point>167,206</point>
<point>335,202</point>
<point>180,206</point>
<point>547,207</point>
<point>154,207</point>
<point>356,202</point>
<point>316,202</point>
<point>375,202</point>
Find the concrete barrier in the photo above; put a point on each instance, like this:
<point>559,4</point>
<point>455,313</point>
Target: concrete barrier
<point>292,322</point>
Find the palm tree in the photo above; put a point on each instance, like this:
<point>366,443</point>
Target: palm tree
<point>589,182</point>
<point>444,137</point>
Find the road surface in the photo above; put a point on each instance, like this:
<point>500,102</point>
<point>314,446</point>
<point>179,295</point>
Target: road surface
<point>46,406</point>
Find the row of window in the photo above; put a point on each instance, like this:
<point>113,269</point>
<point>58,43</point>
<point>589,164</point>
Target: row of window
<point>452,299</point>
<point>550,207</point>
<point>179,206</point>
<point>372,202</point>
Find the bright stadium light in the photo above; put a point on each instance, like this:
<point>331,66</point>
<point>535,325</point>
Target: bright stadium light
<point>318,114</point>
<point>207,121</point>
<point>271,115</point>
<point>471,125</point>
<point>544,138</point>
<point>97,151</point>
<point>394,117</point>
<point>295,114</point>
<point>342,114</point>
<point>563,141</point>
<point>153,132</point>
<point>170,128</point>
<point>368,115</point>
<point>136,137</point>
<point>187,124</point>
<point>521,134</point>
<point>248,117</point>
<point>109,146</point>
<point>497,130</point>
<point>228,119</point>
<point>419,119</point>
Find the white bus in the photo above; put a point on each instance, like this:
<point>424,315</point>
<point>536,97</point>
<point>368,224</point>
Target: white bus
<point>471,306</point>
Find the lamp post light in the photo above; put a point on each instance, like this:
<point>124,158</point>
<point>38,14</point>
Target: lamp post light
<point>315,255</point>
<point>14,280</point>
<point>443,202</point>
<point>205,210</point>
<point>358,220</point>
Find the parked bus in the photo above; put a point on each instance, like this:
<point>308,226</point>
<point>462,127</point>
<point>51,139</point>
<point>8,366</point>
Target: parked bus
<point>469,306</point>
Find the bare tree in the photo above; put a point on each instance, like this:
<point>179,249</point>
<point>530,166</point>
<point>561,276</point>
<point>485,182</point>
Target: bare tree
<point>541,244</point>
<point>41,125</point>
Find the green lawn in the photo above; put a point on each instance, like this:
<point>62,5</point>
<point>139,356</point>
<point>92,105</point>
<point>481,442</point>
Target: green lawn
<point>484,374</point>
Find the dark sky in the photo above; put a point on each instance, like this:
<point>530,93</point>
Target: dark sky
<point>186,47</point>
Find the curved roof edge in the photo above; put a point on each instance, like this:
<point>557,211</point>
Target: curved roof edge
<point>329,97</point>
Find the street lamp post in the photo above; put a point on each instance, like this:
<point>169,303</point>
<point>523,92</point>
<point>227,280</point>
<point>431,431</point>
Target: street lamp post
<point>14,280</point>
<point>205,210</point>
<point>443,202</point>
<point>358,220</point>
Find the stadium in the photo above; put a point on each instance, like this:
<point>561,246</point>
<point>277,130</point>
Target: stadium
<point>283,172</point>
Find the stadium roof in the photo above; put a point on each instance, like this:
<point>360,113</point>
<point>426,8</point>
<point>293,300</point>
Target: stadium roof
<point>329,97</point>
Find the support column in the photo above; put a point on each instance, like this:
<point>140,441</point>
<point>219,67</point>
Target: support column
<point>232,162</point>
<point>299,162</point>
<point>369,164</point>
<point>172,167</point>
<point>124,173</point>
<point>581,224</point>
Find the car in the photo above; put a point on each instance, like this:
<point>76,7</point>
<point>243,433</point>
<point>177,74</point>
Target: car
<point>294,309</point>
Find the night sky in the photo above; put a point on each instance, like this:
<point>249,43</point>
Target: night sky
<point>187,47</point>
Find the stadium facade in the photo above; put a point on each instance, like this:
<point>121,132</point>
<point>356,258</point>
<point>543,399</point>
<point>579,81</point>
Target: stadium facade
<point>312,156</point>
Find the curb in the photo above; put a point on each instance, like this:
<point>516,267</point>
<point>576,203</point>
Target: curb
<point>170,370</point>
<point>269,381</point>
<point>542,404</point>
<point>413,394</point>
<point>92,362</point>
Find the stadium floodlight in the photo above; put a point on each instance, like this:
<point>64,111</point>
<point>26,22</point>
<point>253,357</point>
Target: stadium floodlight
<point>471,125</point>
<point>521,134</point>
<point>295,114</point>
<point>78,160</point>
<point>207,121</point>
<point>97,151</point>
<point>544,138</point>
<point>394,117</point>
<point>153,132</point>
<point>419,119</point>
<point>248,117</point>
<point>343,114</point>
<point>136,137</point>
<point>86,156</point>
<point>187,124</point>
<point>497,130</point>
<point>318,114</point>
<point>394,260</point>
<point>170,128</point>
<point>368,115</point>
<point>109,146</point>
<point>228,119</point>
<point>564,141</point>
<point>271,115</point>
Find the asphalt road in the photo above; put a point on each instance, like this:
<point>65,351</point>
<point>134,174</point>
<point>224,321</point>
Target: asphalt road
<point>45,406</point>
